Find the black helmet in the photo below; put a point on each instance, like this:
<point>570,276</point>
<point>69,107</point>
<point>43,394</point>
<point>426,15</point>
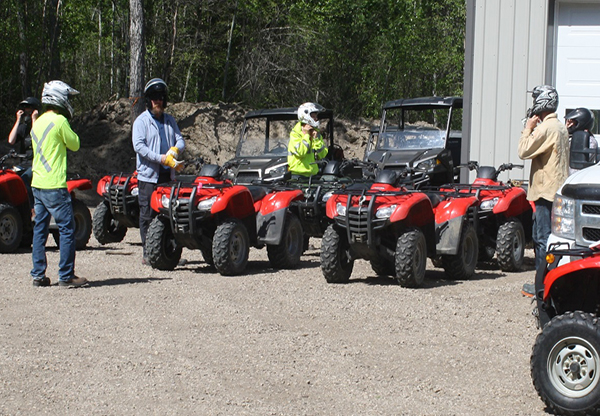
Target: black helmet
<point>31,102</point>
<point>583,119</point>
<point>156,87</point>
<point>545,99</point>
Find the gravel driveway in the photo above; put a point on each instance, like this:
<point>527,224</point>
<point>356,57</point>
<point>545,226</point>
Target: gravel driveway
<point>139,341</point>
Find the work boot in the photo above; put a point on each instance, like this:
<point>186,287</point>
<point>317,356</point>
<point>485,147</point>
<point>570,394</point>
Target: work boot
<point>73,282</point>
<point>44,281</point>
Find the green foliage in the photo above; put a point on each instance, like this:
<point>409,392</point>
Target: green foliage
<point>349,55</point>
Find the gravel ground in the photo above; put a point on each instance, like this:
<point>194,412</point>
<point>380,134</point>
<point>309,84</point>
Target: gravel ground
<point>141,341</point>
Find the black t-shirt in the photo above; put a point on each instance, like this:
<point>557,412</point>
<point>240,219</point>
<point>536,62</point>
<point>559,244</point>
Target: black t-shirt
<point>24,138</point>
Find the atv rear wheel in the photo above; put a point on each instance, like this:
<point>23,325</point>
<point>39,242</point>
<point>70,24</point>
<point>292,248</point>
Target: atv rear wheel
<point>411,258</point>
<point>106,228</point>
<point>286,255</point>
<point>336,261</point>
<point>382,267</point>
<point>565,364</point>
<point>162,250</point>
<point>231,247</point>
<point>511,245</point>
<point>462,265</point>
<point>11,228</point>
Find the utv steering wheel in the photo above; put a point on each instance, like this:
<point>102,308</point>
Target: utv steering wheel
<point>280,147</point>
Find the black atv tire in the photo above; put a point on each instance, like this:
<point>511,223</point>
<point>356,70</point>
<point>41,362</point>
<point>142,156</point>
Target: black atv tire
<point>207,255</point>
<point>511,245</point>
<point>162,251</point>
<point>231,247</point>
<point>462,265</point>
<point>565,364</point>
<point>336,262</point>
<point>83,224</point>
<point>486,252</point>
<point>411,258</point>
<point>286,255</point>
<point>106,229</point>
<point>381,267</point>
<point>11,228</point>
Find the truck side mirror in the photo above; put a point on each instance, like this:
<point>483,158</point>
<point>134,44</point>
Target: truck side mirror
<point>581,156</point>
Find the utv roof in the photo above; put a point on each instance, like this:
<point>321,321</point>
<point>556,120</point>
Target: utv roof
<point>425,103</point>
<point>288,113</point>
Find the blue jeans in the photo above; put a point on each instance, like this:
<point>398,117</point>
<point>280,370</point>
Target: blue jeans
<point>55,203</point>
<point>542,228</point>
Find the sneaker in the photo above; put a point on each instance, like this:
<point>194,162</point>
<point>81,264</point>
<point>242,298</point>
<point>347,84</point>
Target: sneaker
<point>73,282</point>
<point>44,281</point>
<point>528,290</point>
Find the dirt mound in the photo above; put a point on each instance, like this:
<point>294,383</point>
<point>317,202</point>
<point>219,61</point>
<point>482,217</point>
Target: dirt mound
<point>211,132</point>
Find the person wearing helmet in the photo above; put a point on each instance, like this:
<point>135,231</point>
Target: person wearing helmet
<point>51,137</point>
<point>306,143</point>
<point>157,143</point>
<point>27,113</point>
<point>545,142</point>
<point>582,120</point>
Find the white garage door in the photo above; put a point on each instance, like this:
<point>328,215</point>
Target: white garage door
<point>578,56</point>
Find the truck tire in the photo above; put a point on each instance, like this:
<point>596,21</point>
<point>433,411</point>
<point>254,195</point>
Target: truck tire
<point>336,262</point>
<point>11,228</point>
<point>286,255</point>
<point>83,224</point>
<point>462,265</point>
<point>565,364</point>
<point>231,247</point>
<point>161,247</point>
<point>411,258</point>
<point>106,229</point>
<point>511,245</point>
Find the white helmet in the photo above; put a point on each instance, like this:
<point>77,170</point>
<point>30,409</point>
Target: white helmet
<point>305,111</point>
<point>57,93</point>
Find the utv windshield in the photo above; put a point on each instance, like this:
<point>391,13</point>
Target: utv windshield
<point>264,137</point>
<point>405,128</point>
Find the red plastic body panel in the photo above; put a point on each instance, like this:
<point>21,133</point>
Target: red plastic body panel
<point>588,263</point>
<point>80,184</point>
<point>118,179</point>
<point>453,208</point>
<point>279,200</point>
<point>513,203</point>
<point>12,188</point>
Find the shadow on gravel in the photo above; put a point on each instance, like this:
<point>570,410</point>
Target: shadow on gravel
<point>127,281</point>
<point>528,265</point>
<point>433,278</point>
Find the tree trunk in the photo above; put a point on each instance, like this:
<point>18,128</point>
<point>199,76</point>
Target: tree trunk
<point>136,60</point>
<point>23,56</point>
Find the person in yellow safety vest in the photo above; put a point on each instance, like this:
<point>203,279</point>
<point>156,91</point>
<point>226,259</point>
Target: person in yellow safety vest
<point>51,136</point>
<point>306,142</point>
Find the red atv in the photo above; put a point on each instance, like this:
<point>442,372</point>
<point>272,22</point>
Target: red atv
<point>504,217</point>
<point>565,361</point>
<point>223,220</point>
<point>119,210</point>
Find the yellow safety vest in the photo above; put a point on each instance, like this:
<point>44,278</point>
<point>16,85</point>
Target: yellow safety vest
<point>302,152</point>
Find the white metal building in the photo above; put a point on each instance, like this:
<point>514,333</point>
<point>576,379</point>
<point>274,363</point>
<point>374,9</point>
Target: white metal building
<point>514,45</point>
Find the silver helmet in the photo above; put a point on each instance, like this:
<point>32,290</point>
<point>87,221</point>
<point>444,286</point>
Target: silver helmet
<point>57,93</point>
<point>545,99</point>
<point>305,111</point>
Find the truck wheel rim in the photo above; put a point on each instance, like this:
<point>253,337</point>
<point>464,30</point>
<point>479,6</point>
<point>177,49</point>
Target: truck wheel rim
<point>573,366</point>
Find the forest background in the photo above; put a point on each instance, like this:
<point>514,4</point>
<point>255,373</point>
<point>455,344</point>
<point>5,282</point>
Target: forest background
<point>348,55</point>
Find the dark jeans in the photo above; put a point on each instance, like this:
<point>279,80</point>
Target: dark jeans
<point>146,212</point>
<point>542,228</point>
<point>55,203</point>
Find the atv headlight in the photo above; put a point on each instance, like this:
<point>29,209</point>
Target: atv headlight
<point>563,217</point>
<point>164,200</point>
<point>135,191</point>
<point>489,204</point>
<point>385,212</point>
<point>341,209</point>
<point>427,164</point>
<point>277,171</point>
<point>206,204</point>
<point>327,196</point>
<point>106,186</point>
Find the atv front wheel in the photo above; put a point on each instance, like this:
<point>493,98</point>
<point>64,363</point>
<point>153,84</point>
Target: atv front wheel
<point>511,246</point>
<point>411,258</point>
<point>382,267</point>
<point>286,255</point>
<point>161,248</point>
<point>11,228</point>
<point>106,228</point>
<point>462,265</point>
<point>336,261</point>
<point>565,364</point>
<point>231,247</point>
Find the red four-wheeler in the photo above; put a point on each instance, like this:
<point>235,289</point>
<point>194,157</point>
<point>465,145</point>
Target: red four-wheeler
<point>565,361</point>
<point>504,216</point>
<point>392,227</point>
<point>223,220</point>
<point>119,210</point>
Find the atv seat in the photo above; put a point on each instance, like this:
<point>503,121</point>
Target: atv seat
<point>257,192</point>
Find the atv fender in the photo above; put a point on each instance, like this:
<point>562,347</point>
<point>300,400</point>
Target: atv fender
<point>453,208</point>
<point>235,201</point>
<point>448,238</point>
<point>79,184</point>
<point>591,265</point>
<point>12,188</point>
<point>415,211</point>
<point>514,203</point>
<point>270,220</point>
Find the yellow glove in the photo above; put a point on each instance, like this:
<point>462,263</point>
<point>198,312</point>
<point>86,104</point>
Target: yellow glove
<point>171,162</point>
<point>173,151</point>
